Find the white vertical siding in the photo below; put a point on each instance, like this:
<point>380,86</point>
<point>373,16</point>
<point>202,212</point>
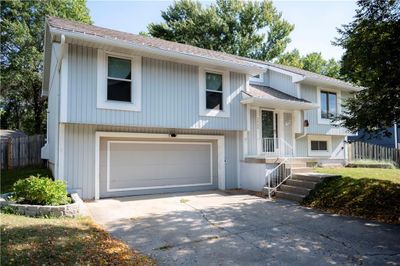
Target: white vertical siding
<point>282,82</point>
<point>302,147</point>
<point>252,136</point>
<point>337,147</point>
<point>80,153</point>
<point>310,93</point>
<point>170,96</point>
<point>53,105</point>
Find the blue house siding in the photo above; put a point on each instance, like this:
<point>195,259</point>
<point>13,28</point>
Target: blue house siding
<point>282,82</point>
<point>310,93</point>
<point>79,154</point>
<point>170,96</point>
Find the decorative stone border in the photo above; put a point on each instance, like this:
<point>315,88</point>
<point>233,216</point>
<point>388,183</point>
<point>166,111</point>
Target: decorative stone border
<point>69,210</point>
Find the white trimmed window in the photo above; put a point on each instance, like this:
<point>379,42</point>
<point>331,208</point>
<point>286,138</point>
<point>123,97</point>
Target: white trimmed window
<point>257,78</point>
<point>329,105</point>
<point>119,81</point>
<point>319,145</point>
<point>214,92</point>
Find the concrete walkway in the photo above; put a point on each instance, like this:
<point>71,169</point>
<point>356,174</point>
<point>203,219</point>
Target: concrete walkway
<point>214,228</point>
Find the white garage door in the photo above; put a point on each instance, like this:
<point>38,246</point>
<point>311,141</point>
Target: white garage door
<point>133,167</point>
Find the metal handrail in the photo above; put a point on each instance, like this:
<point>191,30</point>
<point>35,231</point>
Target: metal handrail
<point>278,175</point>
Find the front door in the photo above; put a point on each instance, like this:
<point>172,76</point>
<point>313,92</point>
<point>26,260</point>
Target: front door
<point>269,130</point>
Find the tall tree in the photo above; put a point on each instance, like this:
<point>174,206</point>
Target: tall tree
<point>22,32</point>
<point>291,58</point>
<point>371,59</point>
<point>313,62</point>
<point>253,29</point>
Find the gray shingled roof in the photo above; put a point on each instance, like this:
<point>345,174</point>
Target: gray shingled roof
<point>308,74</point>
<point>73,26</point>
<point>270,93</point>
<point>77,27</point>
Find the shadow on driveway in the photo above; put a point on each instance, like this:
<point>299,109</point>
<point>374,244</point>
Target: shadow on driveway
<point>214,228</point>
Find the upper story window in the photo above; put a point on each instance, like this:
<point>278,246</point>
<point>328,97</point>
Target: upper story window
<point>257,78</point>
<point>214,92</point>
<point>328,104</point>
<point>119,81</point>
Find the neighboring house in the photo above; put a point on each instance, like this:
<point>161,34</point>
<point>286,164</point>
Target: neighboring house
<point>379,139</point>
<point>133,115</point>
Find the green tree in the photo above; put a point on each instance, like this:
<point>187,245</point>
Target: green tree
<point>253,29</point>
<point>22,32</point>
<point>313,62</point>
<point>291,58</point>
<point>371,59</point>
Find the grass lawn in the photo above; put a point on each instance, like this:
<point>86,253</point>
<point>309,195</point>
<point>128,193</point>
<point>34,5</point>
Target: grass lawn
<point>363,192</point>
<point>8,177</point>
<point>62,241</point>
<point>392,175</point>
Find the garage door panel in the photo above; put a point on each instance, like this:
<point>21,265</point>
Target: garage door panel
<point>139,165</point>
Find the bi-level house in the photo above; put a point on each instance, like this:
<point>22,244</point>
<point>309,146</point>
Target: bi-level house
<point>130,115</point>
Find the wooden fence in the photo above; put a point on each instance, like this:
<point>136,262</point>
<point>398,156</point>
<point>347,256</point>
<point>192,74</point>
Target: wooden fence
<point>361,150</point>
<point>22,151</point>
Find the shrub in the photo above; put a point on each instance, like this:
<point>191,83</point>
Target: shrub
<point>40,191</point>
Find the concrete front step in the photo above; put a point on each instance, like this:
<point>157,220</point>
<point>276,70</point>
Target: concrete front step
<point>300,183</point>
<point>308,177</point>
<point>298,170</point>
<point>289,195</point>
<point>295,189</point>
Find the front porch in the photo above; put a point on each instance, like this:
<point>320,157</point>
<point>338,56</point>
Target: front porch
<point>274,120</point>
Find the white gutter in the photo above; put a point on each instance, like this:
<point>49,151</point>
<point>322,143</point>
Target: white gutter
<point>333,83</point>
<point>252,70</point>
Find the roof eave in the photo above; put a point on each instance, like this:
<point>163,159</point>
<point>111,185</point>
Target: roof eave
<point>347,87</point>
<point>251,70</point>
<point>279,103</point>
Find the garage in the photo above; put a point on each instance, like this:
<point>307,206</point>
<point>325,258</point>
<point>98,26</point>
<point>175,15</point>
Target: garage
<point>150,164</point>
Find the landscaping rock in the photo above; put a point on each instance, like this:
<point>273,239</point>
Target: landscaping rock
<point>70,210</point>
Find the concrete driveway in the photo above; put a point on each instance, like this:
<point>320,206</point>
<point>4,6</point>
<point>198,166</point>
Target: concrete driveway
<point>214,228</point>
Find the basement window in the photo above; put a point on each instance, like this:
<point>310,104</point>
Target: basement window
<point>318,145</point>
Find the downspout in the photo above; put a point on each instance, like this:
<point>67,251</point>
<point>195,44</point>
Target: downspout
<point>62,52</point>
<point>59,64</point>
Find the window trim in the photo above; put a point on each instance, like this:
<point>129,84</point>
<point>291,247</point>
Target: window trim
<point>259,80</point>
<point>102,77</point>
<point>327,121</point>
<point>328,140</point>
<point>203,111</point>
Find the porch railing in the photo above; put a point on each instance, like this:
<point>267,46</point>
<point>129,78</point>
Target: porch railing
<point>277,147</point>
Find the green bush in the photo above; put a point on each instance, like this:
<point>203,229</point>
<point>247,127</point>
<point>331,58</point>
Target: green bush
<point>38,190</point>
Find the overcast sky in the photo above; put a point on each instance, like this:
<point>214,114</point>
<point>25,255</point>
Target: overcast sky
<point>315,21</point>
